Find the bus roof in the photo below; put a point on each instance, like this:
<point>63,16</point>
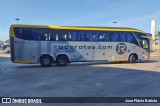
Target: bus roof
<point>97,28</point>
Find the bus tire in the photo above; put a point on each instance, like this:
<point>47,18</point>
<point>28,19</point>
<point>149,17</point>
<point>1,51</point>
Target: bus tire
<point>45,61</point>
<point>62,60</point>
<point>132,58</point>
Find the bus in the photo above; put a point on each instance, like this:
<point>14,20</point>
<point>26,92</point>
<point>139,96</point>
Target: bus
<point>47,45</point>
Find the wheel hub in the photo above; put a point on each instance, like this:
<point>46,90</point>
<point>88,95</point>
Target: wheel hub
<point>46,61</point>
<point>62,61</point>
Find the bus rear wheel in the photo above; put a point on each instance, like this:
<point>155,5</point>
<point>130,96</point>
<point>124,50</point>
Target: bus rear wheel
<point>62,60</point>
<point>45,61</point>
<point>132,58</point>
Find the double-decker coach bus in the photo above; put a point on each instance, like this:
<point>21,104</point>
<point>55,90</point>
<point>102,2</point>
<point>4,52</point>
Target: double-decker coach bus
<point>32,44</point>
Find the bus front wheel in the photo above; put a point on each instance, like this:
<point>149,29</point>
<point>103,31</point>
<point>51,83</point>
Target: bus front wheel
<point>62,60</point>
<point>132,58</point>
<point>45,61</point>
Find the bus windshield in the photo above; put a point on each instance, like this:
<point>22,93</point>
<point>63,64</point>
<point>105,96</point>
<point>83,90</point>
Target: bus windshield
<point>143,40</point>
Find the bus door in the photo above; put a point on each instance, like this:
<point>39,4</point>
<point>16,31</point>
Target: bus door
<point>146,48</point>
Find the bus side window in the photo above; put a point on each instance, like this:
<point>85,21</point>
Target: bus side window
<point>78,36</point>
<point>52,35</point>
<point>58,37</point>
<point>83,36</point>
<point>35,34</point>
<point>110,36</point>
<point>101,37</point>
<point>40,34</point>
<point>106,36</point>
<point>89,36</point>
<point>65,36</point>
<point>131,38</point>
<point>86,36</point>
<point>18,32</point>
<point>73,36</point>
<point>24,33</point>
<point>69,36</point>
<point>122,36</point>
<point>97,34</point>
<point>115,37</point>
<point>134,40</point>
<point>138,35</point>
<point>94,36</point>
<point>27,33</point>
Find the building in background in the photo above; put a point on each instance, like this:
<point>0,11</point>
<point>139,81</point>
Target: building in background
<point>153,31</point>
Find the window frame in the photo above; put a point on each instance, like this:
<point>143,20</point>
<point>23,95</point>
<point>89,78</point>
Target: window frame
<point>79,35</point>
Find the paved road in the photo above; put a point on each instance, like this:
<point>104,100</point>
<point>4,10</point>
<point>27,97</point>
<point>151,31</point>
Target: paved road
<point>81,80</point>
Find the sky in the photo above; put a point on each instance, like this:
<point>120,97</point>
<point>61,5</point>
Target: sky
<point>127,13</point>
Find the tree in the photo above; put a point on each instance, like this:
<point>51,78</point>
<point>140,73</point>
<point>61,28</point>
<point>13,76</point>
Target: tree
<point>7,41</point>
<point>159,39</point>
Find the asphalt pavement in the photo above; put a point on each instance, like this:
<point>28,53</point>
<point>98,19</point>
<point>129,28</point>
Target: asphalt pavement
<point>81,80</point>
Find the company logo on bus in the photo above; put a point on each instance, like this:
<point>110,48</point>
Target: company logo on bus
<point>121,48</point>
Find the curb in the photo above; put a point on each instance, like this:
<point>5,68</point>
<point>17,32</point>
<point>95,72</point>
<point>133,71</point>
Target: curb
<point>5,55</point>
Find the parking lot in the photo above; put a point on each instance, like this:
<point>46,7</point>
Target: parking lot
<point>81,80</point>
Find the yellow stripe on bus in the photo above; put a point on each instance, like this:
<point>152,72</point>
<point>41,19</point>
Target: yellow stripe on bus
<point>73,28</point>
<point>149,37</point>
<point>146,59</point>
<point>97,29</point>
<point>116,60</point>
<point>25,61</point>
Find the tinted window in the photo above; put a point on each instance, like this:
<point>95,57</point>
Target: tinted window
<point>74,36</point>
<point>131,38</point>
<point>23,33</point>
<point>95,36</point>
<point>115,37</point>
<point>83,36</point>
<point>90,36</point>
<point>67,35</point>
<point>31,33</point>
<point>52,35</point>
<point>122,36</point>
<point>142,41</point>
<point>108,36</point>
<point>138,35</point>
<point>101,36</point>
<point>63,35</point>
<point>59,35</point>
<point>39,34</point>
